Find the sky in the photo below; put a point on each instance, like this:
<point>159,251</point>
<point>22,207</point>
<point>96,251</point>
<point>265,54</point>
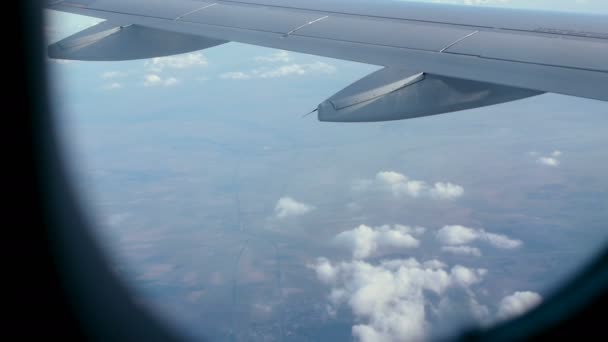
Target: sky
<point>234,218</point>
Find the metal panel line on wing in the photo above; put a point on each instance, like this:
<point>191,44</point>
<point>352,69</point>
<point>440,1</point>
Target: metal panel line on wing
<point>253,18</point>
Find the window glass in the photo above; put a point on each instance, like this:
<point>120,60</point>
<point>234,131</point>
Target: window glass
<point>234,217</point>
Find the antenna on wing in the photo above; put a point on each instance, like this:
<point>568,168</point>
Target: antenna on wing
<point>307,114</point>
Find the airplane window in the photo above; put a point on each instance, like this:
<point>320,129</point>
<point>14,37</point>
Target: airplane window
<point>231,214</point>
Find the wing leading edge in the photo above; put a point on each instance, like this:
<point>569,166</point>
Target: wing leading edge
<point>537,51</point>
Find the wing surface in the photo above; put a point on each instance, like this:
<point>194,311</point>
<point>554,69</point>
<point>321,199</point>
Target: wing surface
<point>540,51</point>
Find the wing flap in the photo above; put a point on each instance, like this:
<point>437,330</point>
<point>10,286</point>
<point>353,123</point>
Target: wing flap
<point>107,41</point>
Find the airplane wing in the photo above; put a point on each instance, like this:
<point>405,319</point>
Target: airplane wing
<point>438,58</point>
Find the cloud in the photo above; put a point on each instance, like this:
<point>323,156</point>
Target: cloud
<point>326,272</point>
<point>389,300</point>
<point>457,235</point>
<point>551,160</point>
<point>183,61</point>
<point>113,74</point>
<point>400,185</point>
<point>447,191</point>
<point>235,75</point>
<point>462,250</point>
<point>113,86</point>
<point>365,241</point>
<point>153,80</point>
<point>281,71</point>
<point>460,235</point>
<point>278,57</point>
<point>466,277</point>
<point>297,69</point>
<point>548,161</point>
<point>405,299</point>
<point>391,177</point>
<point>500,241</point>
<point>517,304</point>
<point>287,207</point>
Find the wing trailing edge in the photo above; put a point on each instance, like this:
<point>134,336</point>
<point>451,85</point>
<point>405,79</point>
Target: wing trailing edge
<point>108,41</point>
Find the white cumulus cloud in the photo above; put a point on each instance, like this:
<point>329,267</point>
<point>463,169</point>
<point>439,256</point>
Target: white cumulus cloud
<point>287,207</point>
<point>400,185</point>
<point>500,241</point>
<point>517,304</point>
<point>365,241</point>
<point>404,299</point>
<point>389,299</point>
<point>235,75</point>
<point>153,80</point>
<point>548,161</point>
<point>183,61</point>
<point>277,57</point>
<point>457,235</point>
<point>281,71</point>
<point>391,177</point>
<point>552,160</point>
<point>447,191</point>
<point>296,69</point>
<point>460,235</point>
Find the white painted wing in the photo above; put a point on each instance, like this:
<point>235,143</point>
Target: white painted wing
<point>542,51</point>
